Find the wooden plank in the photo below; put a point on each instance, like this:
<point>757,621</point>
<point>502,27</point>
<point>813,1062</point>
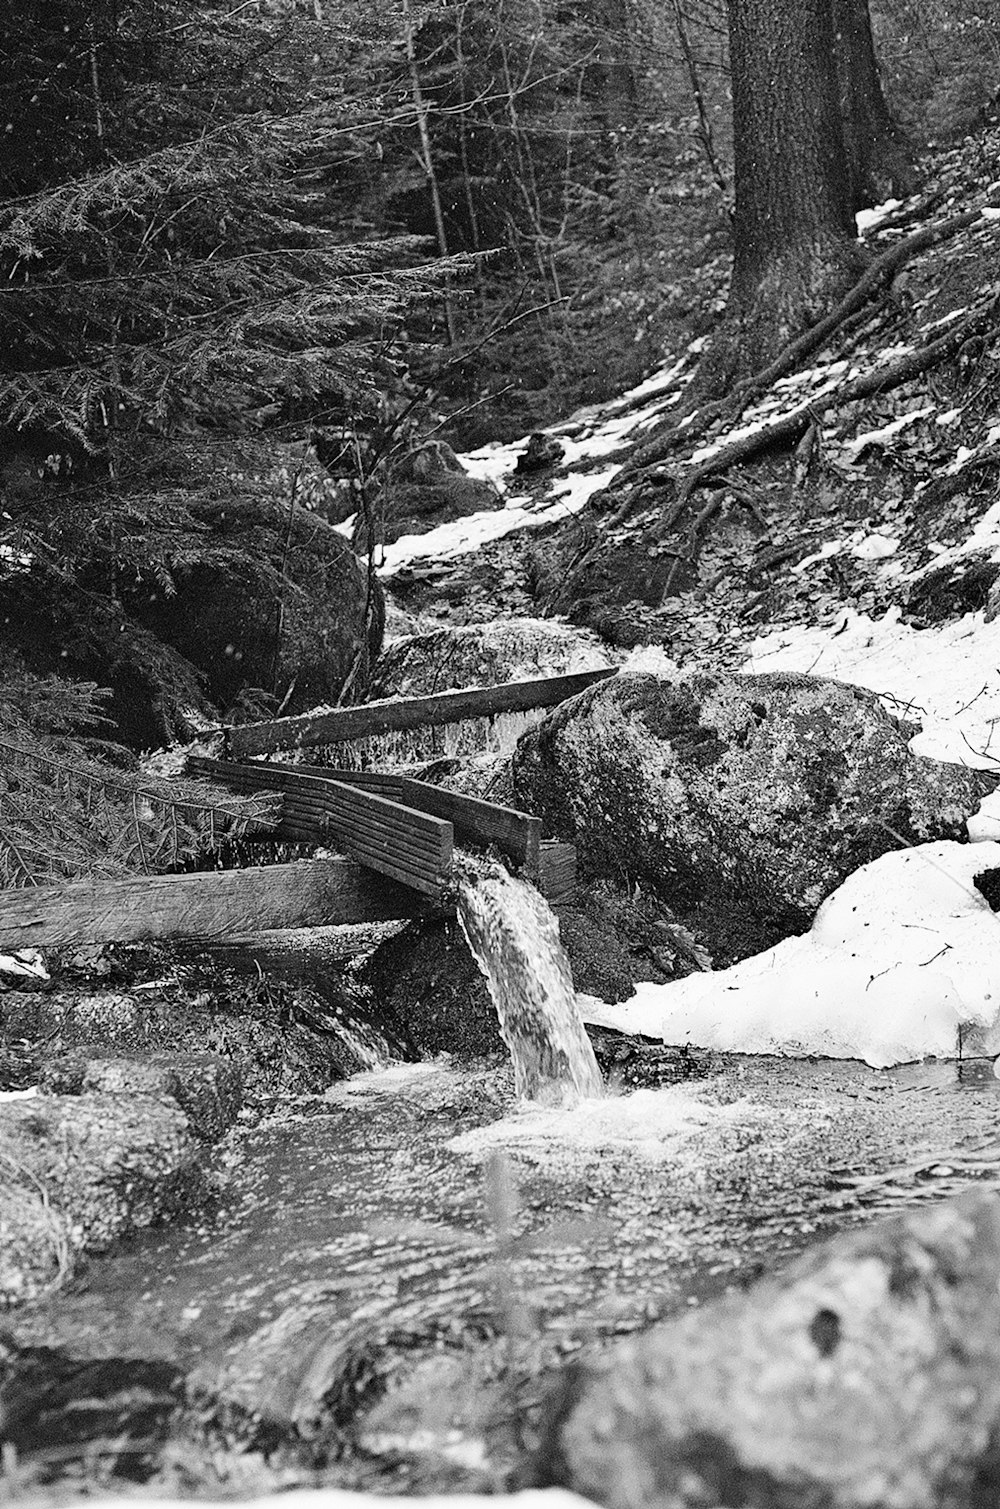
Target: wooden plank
<point>556,876</point>
<point>515,834</point>
<point>342,724</point>
<point>398,841</point>
<point>309,893</point>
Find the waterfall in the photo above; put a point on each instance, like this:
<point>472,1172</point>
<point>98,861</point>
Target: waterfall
<point>514,938</point>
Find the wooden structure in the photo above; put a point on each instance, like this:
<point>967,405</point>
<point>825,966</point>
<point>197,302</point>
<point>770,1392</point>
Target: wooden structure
<point>218,903</point>
<point>404,829</point>
<point>395,836</point>
<point>339,725</point>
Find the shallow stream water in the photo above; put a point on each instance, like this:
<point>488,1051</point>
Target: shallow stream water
<point>395,1269</point>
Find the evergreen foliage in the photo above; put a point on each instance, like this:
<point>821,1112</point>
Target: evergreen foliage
<point>65,812</point>
<point>180,315</point>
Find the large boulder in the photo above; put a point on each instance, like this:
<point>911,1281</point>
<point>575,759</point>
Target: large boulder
<point>294,614</point>
<point>867,1374</point>
<point>509,649</point>
<point>742,801</point>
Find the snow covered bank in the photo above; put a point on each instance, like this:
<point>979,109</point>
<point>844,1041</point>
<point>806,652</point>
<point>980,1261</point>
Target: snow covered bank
<point>946,678</point>
<point>902,963</point>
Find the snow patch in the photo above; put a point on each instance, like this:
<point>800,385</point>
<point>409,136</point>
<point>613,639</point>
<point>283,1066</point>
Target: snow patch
<point>947,678</point>
<point>902,962</point>
<point>865,220</point>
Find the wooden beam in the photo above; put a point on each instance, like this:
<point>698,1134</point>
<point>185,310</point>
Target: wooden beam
<point>310,893</point>
<point>556,878</point>
<point>342,724</point>
<point>405,844</point>
<point>515,834</point>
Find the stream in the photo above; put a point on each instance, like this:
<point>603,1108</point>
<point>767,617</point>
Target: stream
<point>393,1271</point>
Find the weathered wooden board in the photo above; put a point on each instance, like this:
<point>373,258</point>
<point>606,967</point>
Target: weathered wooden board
<point>342,724</point>
<point>556,875</point>
<point>514,833</point>
<point>310,893</point>
<point>407,845</point>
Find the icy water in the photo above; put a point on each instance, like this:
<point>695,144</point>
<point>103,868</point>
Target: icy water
<point>514,938</point>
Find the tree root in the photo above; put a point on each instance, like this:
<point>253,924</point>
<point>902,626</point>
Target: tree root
<point>878,273</point>
<point>791,427</point>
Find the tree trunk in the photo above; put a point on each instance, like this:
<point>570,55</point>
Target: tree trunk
<point>794,226</point>
<point>878,157</point>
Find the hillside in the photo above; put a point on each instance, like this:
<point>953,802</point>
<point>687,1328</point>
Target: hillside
<point>858,477</point>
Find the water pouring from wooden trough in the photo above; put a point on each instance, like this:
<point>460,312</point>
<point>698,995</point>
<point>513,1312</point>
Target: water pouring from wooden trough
<point>514,938</point>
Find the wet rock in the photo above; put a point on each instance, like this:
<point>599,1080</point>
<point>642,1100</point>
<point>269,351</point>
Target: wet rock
<point>207,1088</point>
<point>53,1407</point>
<point>513,649</point>
<point>78,1172</point>
<point>541,452</point>
<point>430,992</point>
<point>263,1028</point>
<point>867,1374</point>
<point>741,801</point>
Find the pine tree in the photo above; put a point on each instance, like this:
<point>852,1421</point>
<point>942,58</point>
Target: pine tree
<point>181,320</point>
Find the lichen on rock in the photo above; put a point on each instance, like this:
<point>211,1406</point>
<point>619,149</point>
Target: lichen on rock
<point>742,801</point>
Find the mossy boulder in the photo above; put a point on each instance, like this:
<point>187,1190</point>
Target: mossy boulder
<point>868,1373</point>
<point>508,649</point>
<point>741,801</point>
<point>77,1172</point>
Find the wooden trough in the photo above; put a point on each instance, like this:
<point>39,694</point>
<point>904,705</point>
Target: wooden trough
<point>396,838</point>
<point>404,829</point>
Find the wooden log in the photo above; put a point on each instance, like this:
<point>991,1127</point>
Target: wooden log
<point>308,893</point>
<point>515,834</point>
<point>342,724</point>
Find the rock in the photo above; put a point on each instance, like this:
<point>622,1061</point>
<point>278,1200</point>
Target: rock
<point>741,801</point>
<point>78,1172</point>
<point>207,1088</point>
<point>56,1407</point>
<point>541,452</point>
<point>428,487</point>
<point>301,645</point>
<point>867,1374</point>
<point>274,1036</point>
<point>513,649</point>
<point>430,993</point>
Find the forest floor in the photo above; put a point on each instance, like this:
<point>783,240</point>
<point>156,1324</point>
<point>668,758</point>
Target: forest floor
<point>852,489</point>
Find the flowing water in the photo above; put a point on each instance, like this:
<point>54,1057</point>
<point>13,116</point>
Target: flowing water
<point>514,938</point>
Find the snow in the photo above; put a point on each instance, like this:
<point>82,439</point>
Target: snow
<point>902,963</point>
<point>946,678</point>
<point>866,220</point>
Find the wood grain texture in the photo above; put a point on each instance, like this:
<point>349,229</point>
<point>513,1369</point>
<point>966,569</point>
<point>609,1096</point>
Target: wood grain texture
<point>407,845</point>
<point>342,724</point>
<point>309,893</point>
